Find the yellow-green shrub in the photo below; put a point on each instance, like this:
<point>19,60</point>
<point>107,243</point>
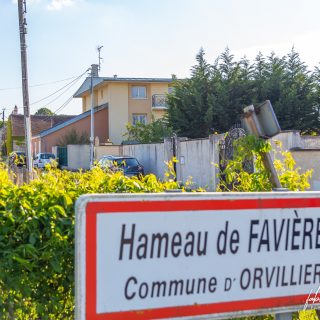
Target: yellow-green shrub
<point>37,237</point>
<point>250,148</point>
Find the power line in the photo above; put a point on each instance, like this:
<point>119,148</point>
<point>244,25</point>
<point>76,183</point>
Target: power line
<point>57,110</point>
<point>68,86</point>
<point>39,84</point>
<point>53,82</point>
<point>64,104</point>
<point>60,108</point>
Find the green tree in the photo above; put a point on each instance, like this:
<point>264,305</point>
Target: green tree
<point>44,112</point>
<point>316,102</point>
<point>235,89</point>
<point>153,132</point>
<point>213,98</point>
<point>191,105</point>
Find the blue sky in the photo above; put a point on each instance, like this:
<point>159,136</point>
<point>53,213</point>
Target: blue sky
<point>143,38</point>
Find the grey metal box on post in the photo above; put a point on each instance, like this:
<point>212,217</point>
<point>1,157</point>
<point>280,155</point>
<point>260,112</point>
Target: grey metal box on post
<point>267,120</point>
<point>262,122</point>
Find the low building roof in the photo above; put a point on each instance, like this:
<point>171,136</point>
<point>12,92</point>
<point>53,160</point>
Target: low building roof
<point>73,120</point>
<point>86,85</point>
<point>38,123</point>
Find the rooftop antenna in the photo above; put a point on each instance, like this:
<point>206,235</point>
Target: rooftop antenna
<point>100,59</point>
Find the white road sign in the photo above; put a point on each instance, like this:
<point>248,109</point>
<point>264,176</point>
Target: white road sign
<point>156,256</point>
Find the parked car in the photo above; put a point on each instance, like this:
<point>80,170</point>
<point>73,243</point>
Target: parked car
<point>41,159</point>
<point>17,158</point>
<point>129,165</point>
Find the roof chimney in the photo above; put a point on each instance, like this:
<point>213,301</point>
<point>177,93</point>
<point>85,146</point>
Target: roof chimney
<point>115,76</point>
<point>94,70</point>
<point>15,110</point>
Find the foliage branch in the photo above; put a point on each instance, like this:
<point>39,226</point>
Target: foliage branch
<point>235,177</point>
<point>37,237</point>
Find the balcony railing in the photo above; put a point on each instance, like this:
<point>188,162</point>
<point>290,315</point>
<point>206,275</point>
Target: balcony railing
<point>159,101</point>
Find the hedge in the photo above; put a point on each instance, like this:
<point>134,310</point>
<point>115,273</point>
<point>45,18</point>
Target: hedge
<point>37,237</point>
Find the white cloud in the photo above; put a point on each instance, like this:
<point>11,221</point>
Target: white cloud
<point>59,4</point>
<point>305,44</point>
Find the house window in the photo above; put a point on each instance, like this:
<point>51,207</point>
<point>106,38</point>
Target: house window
<point>138,92</point>
<point>170,89</point>
<point>142,118</point>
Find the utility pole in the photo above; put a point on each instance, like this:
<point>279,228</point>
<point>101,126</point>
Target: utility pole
<point>91,122</point>
<point>2,127</point>
<point>22,9</point>
<point>94,73</point>
<point>3,110</point>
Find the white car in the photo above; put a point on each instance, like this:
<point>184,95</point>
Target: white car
<point>41,159</point>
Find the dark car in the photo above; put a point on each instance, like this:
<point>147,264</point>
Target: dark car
<point>17,158</point>
<point>129,165</point>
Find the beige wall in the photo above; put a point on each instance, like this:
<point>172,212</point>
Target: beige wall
<point>122,106</point>
<point>140,106</point>
<point>100,151</point>
<point>102,94</point>
<point>158,114</point>
<point>144,106</point>
<point>309,159</point>
<point>118,111</point>
<point>159,88</point>
<point>86,101</point>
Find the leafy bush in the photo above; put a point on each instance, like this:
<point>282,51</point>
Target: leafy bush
<point>152,132</point>
<point>236,178</point>
<point>74,137</point>
<point>37,226</point>
<point>37,237</point>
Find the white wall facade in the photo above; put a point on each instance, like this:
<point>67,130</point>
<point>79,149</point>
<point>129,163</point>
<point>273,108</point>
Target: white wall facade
<point>78,157</point>
<point>199,159</point>
<point>151,156</point>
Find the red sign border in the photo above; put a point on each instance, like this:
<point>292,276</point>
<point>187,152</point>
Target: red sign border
<point>93,208</point>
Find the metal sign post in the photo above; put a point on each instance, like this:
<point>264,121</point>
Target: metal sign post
<point>262,122</point>
<point>255,128</point>
<point>196,256</point>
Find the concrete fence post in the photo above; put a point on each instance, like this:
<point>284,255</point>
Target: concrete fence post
<point>214,140</point>
<point>179,168</point>
<point>168,152</point>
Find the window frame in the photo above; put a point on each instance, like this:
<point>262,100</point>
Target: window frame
<point>139,115</point>
<point>138,97</point>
